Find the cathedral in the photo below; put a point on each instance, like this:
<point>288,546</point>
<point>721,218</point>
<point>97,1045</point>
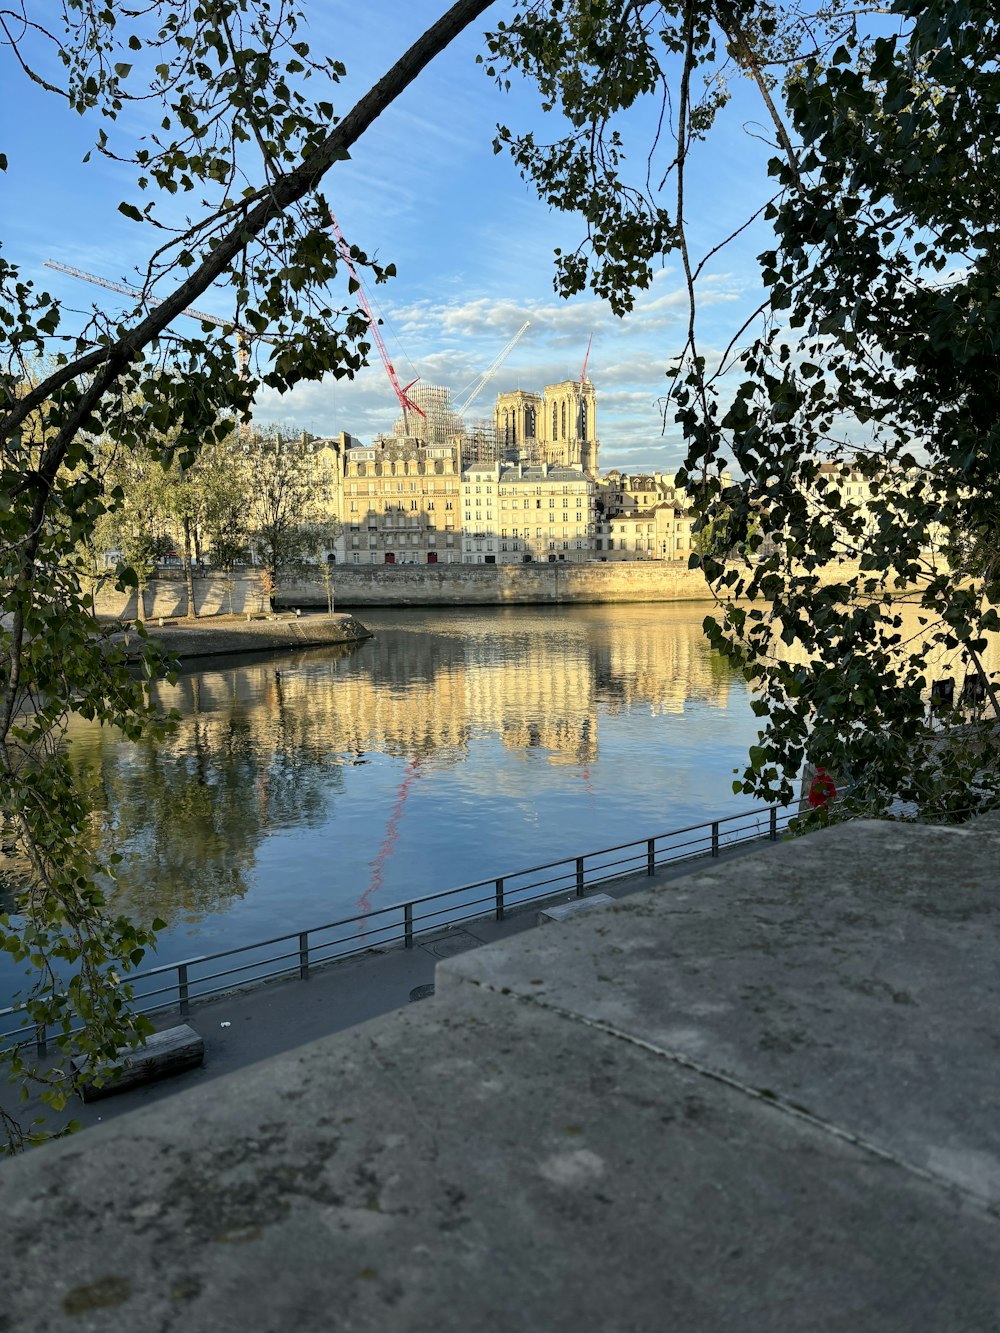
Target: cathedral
<point>557,426</point>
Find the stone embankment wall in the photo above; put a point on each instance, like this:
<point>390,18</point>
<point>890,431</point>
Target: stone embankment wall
<point>432,585</point>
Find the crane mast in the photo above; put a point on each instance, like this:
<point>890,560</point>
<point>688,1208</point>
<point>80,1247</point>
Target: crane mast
<point>242,335</point>
<point>406,403</point>
<point>497,362</point>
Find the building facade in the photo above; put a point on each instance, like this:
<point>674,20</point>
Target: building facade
<point>400,505</point>
<point>642,517</point>
<point>522,513</point>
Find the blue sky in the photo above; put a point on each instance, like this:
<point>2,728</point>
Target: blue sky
<point>471,243</point>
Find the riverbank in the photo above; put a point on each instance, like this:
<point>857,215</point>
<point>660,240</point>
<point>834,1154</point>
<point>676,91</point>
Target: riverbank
<point>221,635</point>
<point>450,585</point>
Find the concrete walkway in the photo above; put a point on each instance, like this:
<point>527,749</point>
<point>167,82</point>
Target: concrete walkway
<point>762,1098</point>
<point>258,1023</point>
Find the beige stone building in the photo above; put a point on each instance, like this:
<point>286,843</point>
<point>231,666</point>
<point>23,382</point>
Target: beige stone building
<point>400,503</point>
<point>522,513</point>
<point>527,490</point>
<point>642,517</point>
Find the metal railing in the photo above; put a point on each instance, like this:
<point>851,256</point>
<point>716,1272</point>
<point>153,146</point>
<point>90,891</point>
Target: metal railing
<point>176,985</point>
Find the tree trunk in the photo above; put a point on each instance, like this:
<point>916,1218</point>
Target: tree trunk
<point>188,578</point>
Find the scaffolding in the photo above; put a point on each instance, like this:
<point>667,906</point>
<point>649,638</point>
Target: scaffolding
<point>440,418</point>
<point>479,442</point>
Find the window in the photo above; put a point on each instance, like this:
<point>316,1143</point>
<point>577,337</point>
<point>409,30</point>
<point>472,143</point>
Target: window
<point>356,555</point>
<point>413,485</point>
<point>354,506</point>
<point>448,504</point>
<point>430,505</point>
<point>552,502</point>
<point>413,504</point>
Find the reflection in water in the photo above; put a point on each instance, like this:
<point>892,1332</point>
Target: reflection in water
<point>453,746</point>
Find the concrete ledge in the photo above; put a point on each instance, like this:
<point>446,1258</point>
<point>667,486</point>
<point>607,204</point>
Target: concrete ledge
<point>220,636</point>
<point>852,975</point>
<point>764,1098</point>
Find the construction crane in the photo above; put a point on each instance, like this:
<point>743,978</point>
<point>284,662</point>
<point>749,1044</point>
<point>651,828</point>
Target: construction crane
<point>406,403</point>
<point>581,425</point>
<point>488,374</point>
<point>242,335</point>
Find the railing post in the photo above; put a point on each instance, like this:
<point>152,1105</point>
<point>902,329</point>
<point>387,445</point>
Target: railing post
<point>651,856</point>
<point>715,838</point>
<point>499,899</point>
<point>773,830</point>
<point>303,955</point>
<point>41,1041</point>
<point>579,876</point>
<point>182,986</point>
<point>408,925</point>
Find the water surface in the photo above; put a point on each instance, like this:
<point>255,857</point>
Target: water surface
<point>454,745</point>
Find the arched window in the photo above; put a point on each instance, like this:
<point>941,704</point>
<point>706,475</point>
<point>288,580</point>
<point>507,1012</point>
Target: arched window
<point>583,418</point>
<point>555,422</point>
<point>506,428</point>
<point>529,423</point>
<point>564,419</point>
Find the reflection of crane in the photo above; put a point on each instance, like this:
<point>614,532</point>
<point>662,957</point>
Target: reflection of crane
<point>405,401</point>
<point>242,348</point>
<point>411,772</point>
<point>487,375</point>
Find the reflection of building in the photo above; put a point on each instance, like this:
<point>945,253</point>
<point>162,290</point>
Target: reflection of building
<point>533,685</point>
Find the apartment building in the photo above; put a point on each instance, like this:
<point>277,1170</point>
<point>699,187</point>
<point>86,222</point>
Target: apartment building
<point>523,513</point>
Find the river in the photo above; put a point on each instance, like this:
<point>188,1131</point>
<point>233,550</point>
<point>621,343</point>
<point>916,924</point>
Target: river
<point>454,745</point>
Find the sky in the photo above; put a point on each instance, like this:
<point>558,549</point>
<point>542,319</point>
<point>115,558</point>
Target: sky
<point>471,242</point>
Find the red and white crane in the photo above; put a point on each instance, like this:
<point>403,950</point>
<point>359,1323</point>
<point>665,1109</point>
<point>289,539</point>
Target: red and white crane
<point>406,403</point>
